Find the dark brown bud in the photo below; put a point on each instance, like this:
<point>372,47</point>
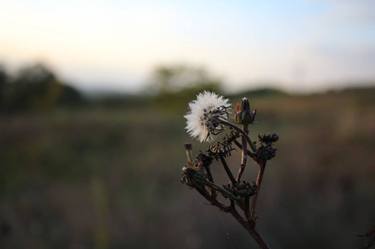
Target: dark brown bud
<point>244,115</point>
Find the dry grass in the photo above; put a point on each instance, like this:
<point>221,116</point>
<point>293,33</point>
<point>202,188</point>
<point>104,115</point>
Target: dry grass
<point>110,179</point>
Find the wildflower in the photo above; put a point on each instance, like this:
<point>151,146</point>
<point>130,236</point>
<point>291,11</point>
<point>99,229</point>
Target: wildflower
<point>203,119</point>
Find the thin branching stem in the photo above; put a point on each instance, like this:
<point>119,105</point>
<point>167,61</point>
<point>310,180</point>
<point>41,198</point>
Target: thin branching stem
<point>242,196</point>
<point>210,178</point>
<point>209,174</point>
<point>248,225</point>
<point>249,153</point>
<point>259,180</point>
<point>243,154</point>
<point>250,228</point>
<point>227,170</point>
<point>252,146</point>
<point>224,192</point>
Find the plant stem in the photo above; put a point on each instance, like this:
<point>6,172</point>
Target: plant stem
<point>224,192</point>
<point>252,146</point>
<point>262,168</point>
<point>249,153</point>
<point>251,230</point>
<point>227,170</point>
<point>210,178</point>
<point>243,153</point>
<point>248,225</point>
<point>189,156</point>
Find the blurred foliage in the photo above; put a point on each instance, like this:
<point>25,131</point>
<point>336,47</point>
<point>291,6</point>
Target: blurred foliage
<point>175,85</point>
<point>107,175</point>
<point>35,88</point>
<point>262,93</point>
<point>174,78</point>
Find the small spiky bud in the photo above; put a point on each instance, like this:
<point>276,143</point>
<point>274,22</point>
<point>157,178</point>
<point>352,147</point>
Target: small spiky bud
<point>269,138</point>
<point>243,114</point>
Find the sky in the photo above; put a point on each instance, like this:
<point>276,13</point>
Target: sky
<point>115,45</point>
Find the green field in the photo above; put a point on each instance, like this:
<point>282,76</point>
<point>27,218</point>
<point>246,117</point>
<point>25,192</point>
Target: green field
<point>101,177</point>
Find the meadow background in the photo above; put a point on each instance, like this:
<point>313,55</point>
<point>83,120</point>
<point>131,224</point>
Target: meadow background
<point>83,171</point>
<point>92,99</point>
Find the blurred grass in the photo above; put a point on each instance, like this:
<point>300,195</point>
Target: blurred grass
<point>101,177</point>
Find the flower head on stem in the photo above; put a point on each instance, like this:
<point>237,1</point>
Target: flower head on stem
<point>207,118</point>
<point>204,115</point>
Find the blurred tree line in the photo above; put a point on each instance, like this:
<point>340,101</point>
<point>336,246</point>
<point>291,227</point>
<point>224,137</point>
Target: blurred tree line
<point>35,88</point>
<point>176,85</point>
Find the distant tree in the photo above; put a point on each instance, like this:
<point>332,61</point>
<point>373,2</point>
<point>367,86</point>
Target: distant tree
<point>175,78</point>
<point>163,77</point>
<point>36,87</point>
<point>176,84</point>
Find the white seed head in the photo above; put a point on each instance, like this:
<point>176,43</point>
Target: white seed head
<point>202,119</point>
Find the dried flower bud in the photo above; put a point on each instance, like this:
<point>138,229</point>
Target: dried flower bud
<point>244,115</point>
<point>269,138</point>
<point>204,159</point>
<point>266,152</point>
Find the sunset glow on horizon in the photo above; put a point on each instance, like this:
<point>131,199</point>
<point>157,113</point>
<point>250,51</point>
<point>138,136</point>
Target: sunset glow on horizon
<point>115,45</point>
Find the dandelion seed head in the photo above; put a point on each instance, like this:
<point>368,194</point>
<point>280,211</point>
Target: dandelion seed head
<point>202,120</point>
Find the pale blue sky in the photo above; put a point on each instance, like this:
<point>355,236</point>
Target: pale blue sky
<point>297,45</point>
